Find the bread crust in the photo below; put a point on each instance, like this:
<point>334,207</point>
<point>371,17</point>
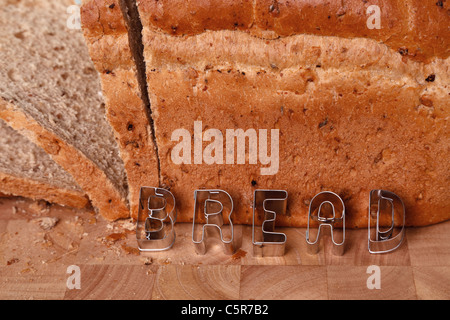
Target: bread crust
<point>15,186</point>
<point>103,194</point>
<point>406,25</point>
<point>107,36</point>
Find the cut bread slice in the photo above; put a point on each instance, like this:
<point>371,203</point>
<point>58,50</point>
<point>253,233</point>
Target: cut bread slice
<point>27,170</point>
<point>112,31</point>
<point>49,91</point>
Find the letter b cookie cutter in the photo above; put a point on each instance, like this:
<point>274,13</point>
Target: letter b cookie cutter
<point>156,219</point>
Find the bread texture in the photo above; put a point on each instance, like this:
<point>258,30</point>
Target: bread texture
<point>26,170</point>
<point>50,93</point>
<point>416,28</point>
<point>356,108</point>
<point>114,44</point>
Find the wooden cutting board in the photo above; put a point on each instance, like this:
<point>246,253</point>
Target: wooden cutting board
<point>38,243</point>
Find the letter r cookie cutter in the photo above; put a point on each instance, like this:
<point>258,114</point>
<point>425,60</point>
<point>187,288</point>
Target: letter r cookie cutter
<point>385,208</point>
<point>210,207</point>
<point>156,219</point>
<point>267,204</point>
<point>327,209</point>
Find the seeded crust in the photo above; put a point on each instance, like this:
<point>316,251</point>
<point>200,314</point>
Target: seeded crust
<point>355,113</point>
<point>107,36</point>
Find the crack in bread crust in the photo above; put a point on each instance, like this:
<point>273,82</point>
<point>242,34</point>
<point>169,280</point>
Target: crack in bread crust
<point>108,38</point>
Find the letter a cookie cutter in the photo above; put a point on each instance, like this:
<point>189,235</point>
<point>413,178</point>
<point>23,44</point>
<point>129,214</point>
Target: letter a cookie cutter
<point>208,222</point>
<point>156,220</point>
<point>266,205</point>
<point>327,209</point>
<point>385,209</point>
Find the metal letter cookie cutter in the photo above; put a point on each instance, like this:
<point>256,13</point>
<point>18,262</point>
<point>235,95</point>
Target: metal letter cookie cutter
<point>156,219</point>
<point>267,204</point>
<point>209,208</point>
<point>327,209</point>
<point>385,208</point>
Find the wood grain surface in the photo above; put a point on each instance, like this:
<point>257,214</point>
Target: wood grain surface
<point>38,242</point>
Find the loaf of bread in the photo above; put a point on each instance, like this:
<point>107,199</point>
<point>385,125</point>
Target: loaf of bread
<point>28,171</point>
<point>50,92</point>
<point>339,103</point>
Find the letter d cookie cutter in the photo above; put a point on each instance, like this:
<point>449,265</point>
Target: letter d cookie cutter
<point>327,209</point>
<point>156,219</point>
<point>385,208</point>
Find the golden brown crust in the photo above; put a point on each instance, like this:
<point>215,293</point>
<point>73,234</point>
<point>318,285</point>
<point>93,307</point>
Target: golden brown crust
<point>406,25</point>
<point>106,34</point>
<point>107,37</point>
<point>15,186</point>
<point>102,193</point>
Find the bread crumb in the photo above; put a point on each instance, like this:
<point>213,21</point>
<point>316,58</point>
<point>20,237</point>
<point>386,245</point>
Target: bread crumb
<point>147,261</point>
<point>239,254</point>
<point>128,225</point>
<point>113,237</point>
<point>130,250</point>
<point>40,207</point>
<point>47,223</point>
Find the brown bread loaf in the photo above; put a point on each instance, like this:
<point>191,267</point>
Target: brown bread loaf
<point>357,108</point>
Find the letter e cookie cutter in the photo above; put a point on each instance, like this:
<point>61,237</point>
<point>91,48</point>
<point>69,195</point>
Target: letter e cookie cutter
<point>268,204</point>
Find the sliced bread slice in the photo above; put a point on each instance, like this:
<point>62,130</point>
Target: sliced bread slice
<point>49,91</point>
<point>27,170</point>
